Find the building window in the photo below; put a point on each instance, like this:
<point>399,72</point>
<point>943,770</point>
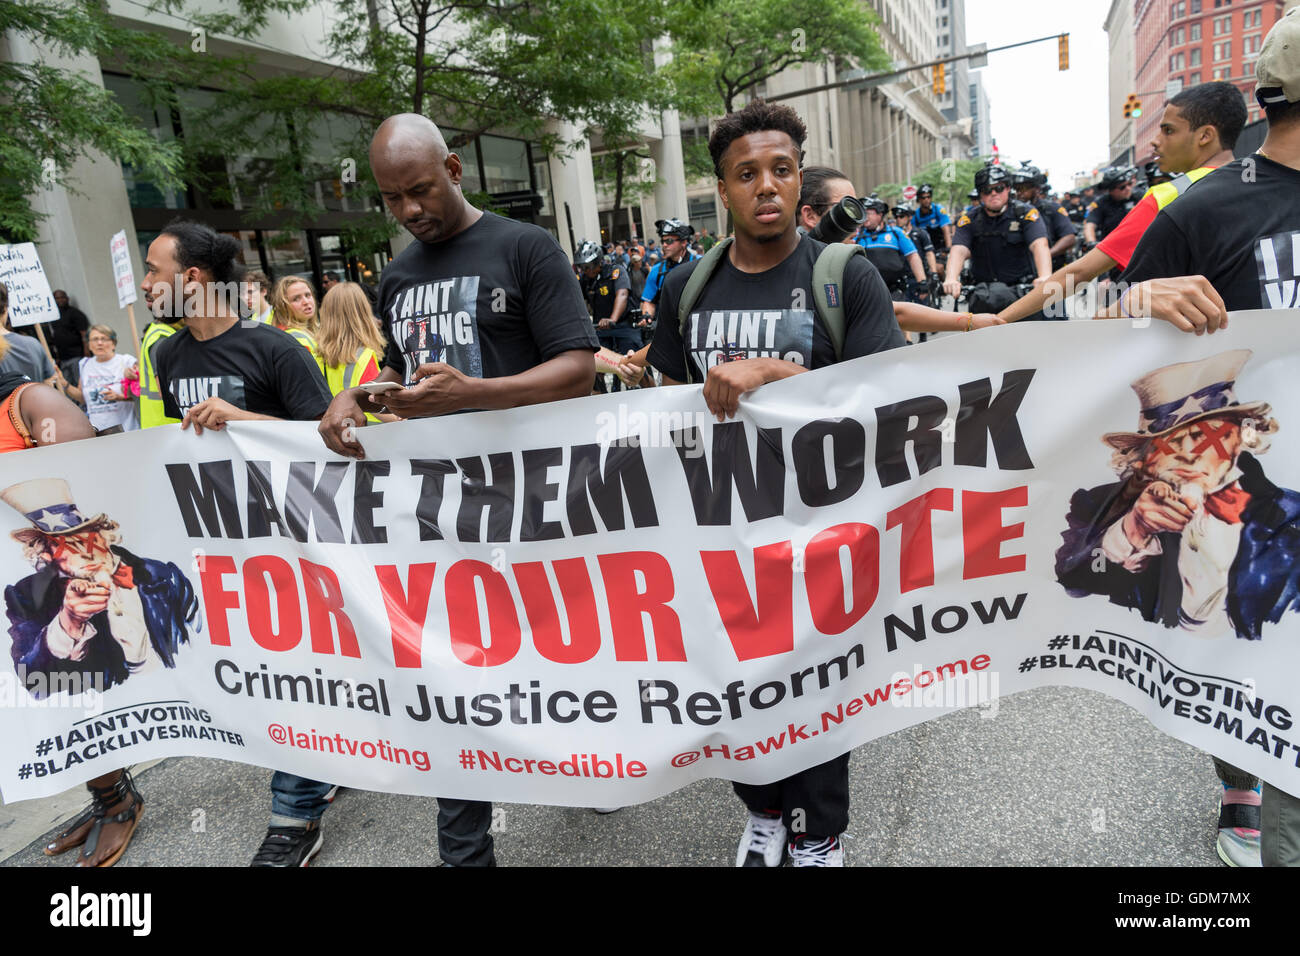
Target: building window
<point>1250,45</point>
<point>1195,33</point>
<point>1248,68</point>
<point>1195,79</point>
<point>1195,56</point>
<point>1196,8</point>
<point>1179,38</point>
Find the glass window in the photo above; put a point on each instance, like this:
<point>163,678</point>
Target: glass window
<point>505,164</point>
<point>248,253</point>
<point>1195,78</point>
<point>287,253</point>
<point>134,100</point>
<point>1196,56</point>
<point>542,173</point>
<point>470,180</point>
<point>1195,32</point>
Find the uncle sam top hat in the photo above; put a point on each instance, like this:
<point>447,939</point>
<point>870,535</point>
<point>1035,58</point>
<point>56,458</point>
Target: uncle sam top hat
<point>1175,396</point>
<point>47,503</point>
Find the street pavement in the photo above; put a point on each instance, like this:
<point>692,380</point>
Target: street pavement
<point>1057,777</point>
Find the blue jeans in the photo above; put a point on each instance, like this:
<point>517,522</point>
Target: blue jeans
<point>295,798</point>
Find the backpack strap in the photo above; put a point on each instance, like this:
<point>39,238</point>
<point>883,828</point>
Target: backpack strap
<point>706,266</point>
<point>828,290</point>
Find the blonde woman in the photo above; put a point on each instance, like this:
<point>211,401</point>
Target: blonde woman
<point>350,344</point>
<point>293,306</point>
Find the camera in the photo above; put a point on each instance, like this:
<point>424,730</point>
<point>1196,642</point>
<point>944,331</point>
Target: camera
<point>841,221</point>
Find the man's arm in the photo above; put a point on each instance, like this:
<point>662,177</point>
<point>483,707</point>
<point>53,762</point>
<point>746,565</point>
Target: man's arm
<point>440,388</point>
<point>1042,258</point>
<point>1060,284</point>
<point>1089,232</point>
<point>1062,245</point>
<point>347,412</point>
<point>1188,303</point>
<point>51,419</point>
<point>917,269</point>
<point>956,259</point>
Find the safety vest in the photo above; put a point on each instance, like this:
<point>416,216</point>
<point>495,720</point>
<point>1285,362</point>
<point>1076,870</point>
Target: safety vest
<point>1165,193</point>
<point>340,377</point>
<point>308,341</point>
<point>151,397</point>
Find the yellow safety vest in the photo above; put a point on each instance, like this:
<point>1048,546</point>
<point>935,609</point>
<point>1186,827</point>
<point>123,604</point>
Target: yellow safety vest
<point>308,341</point>
<point>340,377</point>
<point>151,397</point>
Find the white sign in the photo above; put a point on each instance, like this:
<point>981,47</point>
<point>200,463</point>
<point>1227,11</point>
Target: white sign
<point>1173,87</point>
<point>598,601</point>
<point>30,299</point>
<point>909,193</point>
<point>122,273</point>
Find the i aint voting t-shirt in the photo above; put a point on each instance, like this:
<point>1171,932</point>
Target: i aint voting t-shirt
<point>742,315</point>
<point>496,299</point>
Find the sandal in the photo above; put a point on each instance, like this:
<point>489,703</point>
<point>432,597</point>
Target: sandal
<point>86,829</point>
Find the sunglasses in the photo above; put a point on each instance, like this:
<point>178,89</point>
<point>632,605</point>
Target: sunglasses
<point>1001,188</point>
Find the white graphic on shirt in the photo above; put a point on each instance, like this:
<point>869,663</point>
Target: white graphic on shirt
<point>730,335</point>
<point>191,390</point>
<point>437,322</point>
<point>1277,259</point>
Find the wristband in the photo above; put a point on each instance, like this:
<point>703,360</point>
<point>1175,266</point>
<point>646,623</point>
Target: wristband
<point>970,321</point>
<point>1123,308</point>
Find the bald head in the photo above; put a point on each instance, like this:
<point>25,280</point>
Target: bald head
<point>419,178</point>
<point>407,133</point>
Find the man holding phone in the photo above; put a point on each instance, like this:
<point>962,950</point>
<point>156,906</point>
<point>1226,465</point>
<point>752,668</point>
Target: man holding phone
<point>482,312</point>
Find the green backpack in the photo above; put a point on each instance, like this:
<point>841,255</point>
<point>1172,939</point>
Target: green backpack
<point>827,282</point>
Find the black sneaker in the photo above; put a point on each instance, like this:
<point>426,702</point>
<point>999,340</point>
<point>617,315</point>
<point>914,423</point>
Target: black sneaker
<point>289,846</point>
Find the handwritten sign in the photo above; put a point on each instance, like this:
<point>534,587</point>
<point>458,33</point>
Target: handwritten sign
<point>30,299</point>
<point>122,273</point>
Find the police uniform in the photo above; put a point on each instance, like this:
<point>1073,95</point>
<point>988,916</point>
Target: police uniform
<point>932,222</point>
<point>601,292</point>
<point>999,246</point>
<point>1105,213</point>
<point>1058,224</point>
<point>887,249</point>
<point>658,273</point>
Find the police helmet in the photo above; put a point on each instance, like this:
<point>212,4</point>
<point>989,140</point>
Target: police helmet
<point>876,203</point>
<point>901,211</point>
<point>973,195</point>
<point>991,176</point>
<point>1028,175</point>
<point>925,189</point>
<point>588,254</point>
<point>1154,174</point>
<point>1113,177</point>
<point>674,227</point>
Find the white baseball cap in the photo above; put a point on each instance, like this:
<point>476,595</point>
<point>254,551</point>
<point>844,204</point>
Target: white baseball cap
<point>1278,69</point>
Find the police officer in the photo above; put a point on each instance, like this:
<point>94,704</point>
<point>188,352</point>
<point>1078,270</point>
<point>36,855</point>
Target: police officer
<point>1029,182</point>
<point>1075,208</point>
<point>889,249</point>
<point>674,237</point>
<point>920,237</point>
<point>606,286</point>
<point>1005,240</point>
<point>930,216</point>
<point>1105,213</point>
<point>972,201</point>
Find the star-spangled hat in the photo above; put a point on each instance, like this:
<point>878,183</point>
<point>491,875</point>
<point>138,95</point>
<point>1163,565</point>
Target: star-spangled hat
<point>47,503</point>
<point>1175,396</point>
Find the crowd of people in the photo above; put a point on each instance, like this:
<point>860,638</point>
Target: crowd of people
<point>557,329</point>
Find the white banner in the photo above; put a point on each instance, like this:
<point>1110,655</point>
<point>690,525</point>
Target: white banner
<point>123,276</point>
<point>30,298</point>
<point>599,601</point>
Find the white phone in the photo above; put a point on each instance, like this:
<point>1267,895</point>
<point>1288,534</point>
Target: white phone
<point>378,388</point>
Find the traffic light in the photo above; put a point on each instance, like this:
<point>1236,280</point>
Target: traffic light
<point>938,80</point>
<point>1132,107</point>
<point>1063,51</point>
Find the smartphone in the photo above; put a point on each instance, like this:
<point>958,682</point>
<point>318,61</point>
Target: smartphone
<point>378,388</point>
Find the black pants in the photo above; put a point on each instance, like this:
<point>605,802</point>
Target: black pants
<point>464,837</point>
<point>820,792</point>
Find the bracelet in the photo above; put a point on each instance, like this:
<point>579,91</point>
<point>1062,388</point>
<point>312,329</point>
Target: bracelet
<point>1123,309</point>
<point>970,321</point>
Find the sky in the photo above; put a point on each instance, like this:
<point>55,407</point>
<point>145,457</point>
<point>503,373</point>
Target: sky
<point>1055,119</point>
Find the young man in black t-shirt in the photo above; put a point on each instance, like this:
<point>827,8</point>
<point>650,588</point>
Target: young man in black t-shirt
<point>767,273</point>
<point>482,312</point>
<point>215,370</point>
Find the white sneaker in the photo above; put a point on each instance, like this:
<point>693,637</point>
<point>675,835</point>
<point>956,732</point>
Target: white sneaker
<point>828,852</point>
<point>763,843</point>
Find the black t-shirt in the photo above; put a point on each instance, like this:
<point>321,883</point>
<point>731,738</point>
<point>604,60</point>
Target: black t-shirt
<point>742,315</point>
<point>999,245</point>
<point>603,290</point>
<point>252,366</point>
<point>1251,257</point>
<point>496,299</point>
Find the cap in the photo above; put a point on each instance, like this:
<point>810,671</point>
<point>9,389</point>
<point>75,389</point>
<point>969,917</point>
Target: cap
<point>1277,71</point>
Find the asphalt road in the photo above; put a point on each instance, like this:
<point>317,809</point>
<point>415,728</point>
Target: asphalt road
<point>1058,777</point>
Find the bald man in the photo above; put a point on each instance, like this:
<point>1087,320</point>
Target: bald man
<point>481,312</point>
